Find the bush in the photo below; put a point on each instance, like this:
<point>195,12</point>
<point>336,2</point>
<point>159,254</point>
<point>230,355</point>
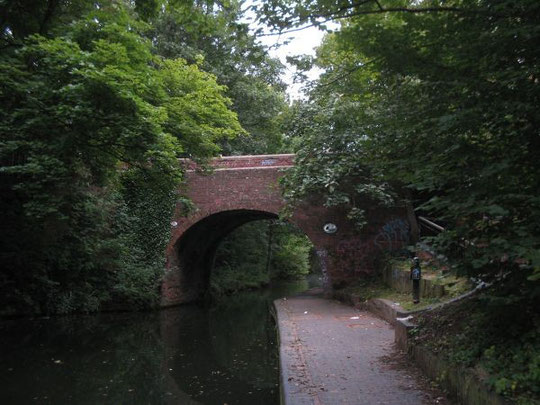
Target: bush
<point>245,260</point>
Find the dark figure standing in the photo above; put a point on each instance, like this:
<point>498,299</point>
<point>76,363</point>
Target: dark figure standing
<point>416,275</point>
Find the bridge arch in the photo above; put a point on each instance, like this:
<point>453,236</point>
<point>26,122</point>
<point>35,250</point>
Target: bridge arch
<point>193,254</point>
<point>194,251</point>
<point>245,188</point>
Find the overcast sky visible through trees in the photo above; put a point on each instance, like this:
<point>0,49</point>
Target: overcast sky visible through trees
<point>301,42</point>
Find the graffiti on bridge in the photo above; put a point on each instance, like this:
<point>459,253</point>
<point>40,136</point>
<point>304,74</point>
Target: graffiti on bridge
<point>393,235</point>
<point>361,254</point>
<point>323,260</point>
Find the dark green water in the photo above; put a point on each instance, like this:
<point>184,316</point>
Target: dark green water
<point>223,354</point>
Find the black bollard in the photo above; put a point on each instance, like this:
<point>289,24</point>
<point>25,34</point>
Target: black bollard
<point>416,276</point>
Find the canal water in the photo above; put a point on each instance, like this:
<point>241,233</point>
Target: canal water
<point>225,353</point>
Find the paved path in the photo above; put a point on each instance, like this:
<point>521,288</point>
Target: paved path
<point>333,354</point>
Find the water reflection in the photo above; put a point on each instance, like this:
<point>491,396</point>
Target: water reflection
<point>186,355</point>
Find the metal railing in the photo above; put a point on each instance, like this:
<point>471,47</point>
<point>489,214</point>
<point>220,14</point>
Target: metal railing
<point>430,226</point>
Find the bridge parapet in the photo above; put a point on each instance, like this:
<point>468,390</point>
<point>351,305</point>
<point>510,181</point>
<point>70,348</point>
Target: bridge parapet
<point>245,162</point>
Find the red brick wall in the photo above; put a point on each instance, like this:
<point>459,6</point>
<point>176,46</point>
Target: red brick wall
<point>248,184</point>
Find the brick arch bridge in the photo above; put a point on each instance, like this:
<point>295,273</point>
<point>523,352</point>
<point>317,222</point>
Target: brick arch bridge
<point>245,188</point>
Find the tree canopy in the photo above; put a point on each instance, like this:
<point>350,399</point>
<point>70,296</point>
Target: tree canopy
<point>211,33</point>
<point>440,97</point>
<point>93,118</point>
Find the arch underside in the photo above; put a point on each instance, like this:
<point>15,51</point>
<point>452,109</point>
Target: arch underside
<point>192,257</point>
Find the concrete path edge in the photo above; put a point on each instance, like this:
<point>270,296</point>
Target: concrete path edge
<point>286,340</point>
<point>459,382</point>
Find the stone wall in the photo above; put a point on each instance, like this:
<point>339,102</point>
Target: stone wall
<point>400,281</point>
<point>459,382</point>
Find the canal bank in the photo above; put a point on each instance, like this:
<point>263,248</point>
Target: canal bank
<point>333,354</point>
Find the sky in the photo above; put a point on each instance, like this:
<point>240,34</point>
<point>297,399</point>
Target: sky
<point>301,42</point>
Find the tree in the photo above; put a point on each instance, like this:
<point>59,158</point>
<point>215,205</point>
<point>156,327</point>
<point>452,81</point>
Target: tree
<point>92,123</point>
<point>440,97</point>
<point>258,252</point>
<point>211,34</point>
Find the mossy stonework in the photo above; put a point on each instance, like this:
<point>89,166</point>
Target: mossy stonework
<point>459,382</point>
<point>400,281</point>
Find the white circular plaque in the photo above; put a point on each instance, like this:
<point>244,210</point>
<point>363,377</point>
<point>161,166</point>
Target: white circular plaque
<point>330,228</point>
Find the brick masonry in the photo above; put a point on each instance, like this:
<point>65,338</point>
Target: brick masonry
<point>245,188</point>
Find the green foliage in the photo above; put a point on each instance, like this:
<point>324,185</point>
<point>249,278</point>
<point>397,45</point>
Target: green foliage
<point>290,254</point>
<point>22,18</point>
<point>367,288</point>
<point>146,198</point>
<point>332,162</point>
<point>258,252</point>
<point>241,260</point>
<point>441,97</point>
<point>211,34</point>
<point>499,339</point>
<point>91,125</point>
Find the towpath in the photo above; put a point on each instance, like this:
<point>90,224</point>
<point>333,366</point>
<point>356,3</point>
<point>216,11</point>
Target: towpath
<point>333,354</point>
